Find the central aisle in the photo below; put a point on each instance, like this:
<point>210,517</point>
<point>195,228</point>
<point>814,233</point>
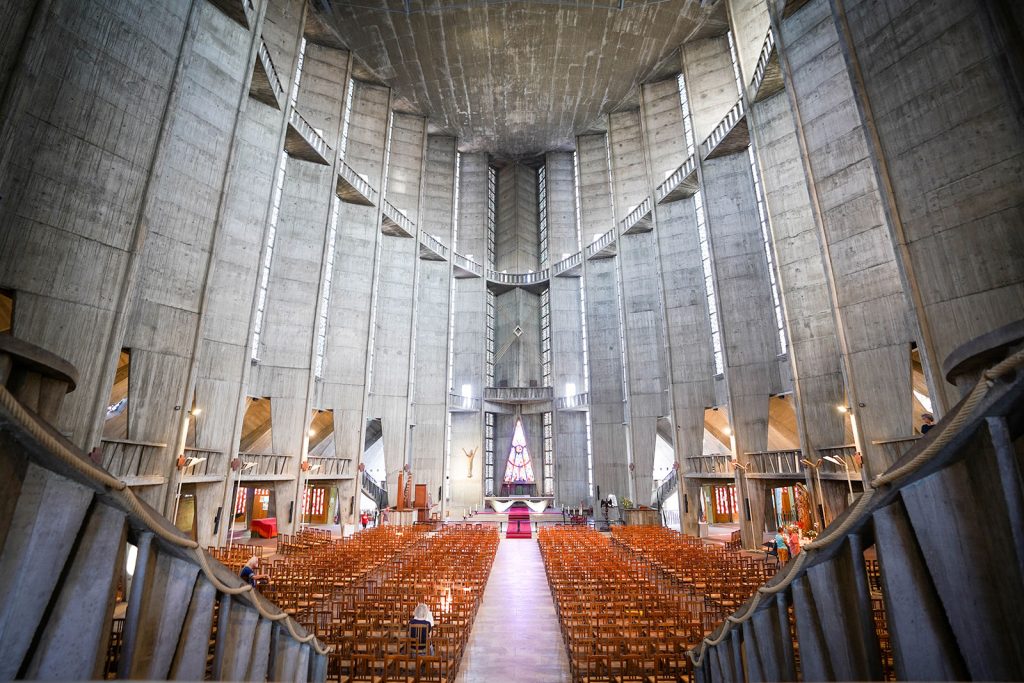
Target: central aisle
<point>515,635</point>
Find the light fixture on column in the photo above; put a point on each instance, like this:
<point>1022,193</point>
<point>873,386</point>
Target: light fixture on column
<point>843,409</point>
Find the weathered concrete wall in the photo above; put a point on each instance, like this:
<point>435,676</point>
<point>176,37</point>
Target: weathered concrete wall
<point>517,242</point>
<point>67,238</point>
<point>431,331</point>
<point>711,84</point>
<point>937,89</point>
<point>604,343</point>
<point>875,319</point>
<point>749,22</point>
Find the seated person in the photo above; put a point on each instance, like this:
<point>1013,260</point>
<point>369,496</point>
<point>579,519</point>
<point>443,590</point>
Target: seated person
<point>420,626</point>
<point>249,574</point>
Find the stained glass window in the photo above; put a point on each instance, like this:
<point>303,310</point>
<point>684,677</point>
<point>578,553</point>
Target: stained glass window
<point>313,502</point>
<point>519,468</point>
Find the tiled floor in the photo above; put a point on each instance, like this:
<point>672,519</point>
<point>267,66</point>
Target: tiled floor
<point>515,637</point>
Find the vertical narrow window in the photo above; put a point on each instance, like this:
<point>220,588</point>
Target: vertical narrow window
<point>275,212</point>
<point>377,257</point>
<point>343,146</point>
<point>451,326</point>
<point>325,294</point>
<point>583,321</point>
<point>702,236</point>
<point>542,213</point>
<point>492,213</point>
<point>490,337</point>
<point>545,337</point>
<point>488,454</point>
<point>762,214</point>
<point>549,462</point>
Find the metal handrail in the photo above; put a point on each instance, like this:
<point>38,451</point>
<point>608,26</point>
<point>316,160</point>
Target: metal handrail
<point>518,393</point>
<point>309,134</point>
<point>634,216</point>
<point>714,463</point>
<point>322,466</point>
<point>574,401</point>
<point>361,186</point>
<point>600,243</point>
<point>266,464</point>
<point>567,263</point>
<point>212,462</point>
<point>268,66</point>
<point>518,278</point>
<point>399,218</point>
<point>463,402</point>
<point>677,177</point>
<point>723,128</point>
<point>467,264</point>
<point>434,244</point>
<point>762,61</point>
<point>786,461</point>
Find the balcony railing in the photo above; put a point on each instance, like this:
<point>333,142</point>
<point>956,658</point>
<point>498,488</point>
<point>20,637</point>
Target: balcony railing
<point>352,188</point>
<point>639,219</point>
<point>896,447</point>
<point>720,142</point>
<point>569,266</point>
<point>709,465</point>
<point>518,394</point>
<point>517,279</point>
<point>431,248</point>
<point>574,402</point>
<point>666,488</point>
<point>463,404</point>
<point>266,86</point>
<point>767,74</point>
<point>465,267</point>
<point>681,184</point>
<point>602,247</point>
<point>265,466</point>
<point>209,465</point>
<point>325,468</point>
<point>303,142</point>
<point>395,222</point>
<point>134,460</point>
<point>784,463</point>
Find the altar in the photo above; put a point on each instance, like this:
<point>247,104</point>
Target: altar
<point>536,504</point>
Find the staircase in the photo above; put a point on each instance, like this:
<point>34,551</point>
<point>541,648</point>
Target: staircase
<point>374,491</point>
<point>942,595</point>
<point>65,528</point>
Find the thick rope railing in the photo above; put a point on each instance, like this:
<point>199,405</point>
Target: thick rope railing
<point>949,432</point>
<point>124,494</point>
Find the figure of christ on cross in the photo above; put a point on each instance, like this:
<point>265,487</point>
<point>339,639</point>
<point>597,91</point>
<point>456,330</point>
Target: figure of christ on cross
<point>469,457</point>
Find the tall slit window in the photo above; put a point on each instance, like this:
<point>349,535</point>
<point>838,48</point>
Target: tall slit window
<point>702,237</point>
<point>583,323</point>
<point>549,461</point>
<point>325,296</point>
<point>492,212</point>
<point>451,327</point>
<point>545,336</point>
<point>275,212</point>
<point>488,454</point>
<point>542,213</point>
<point>490,337</point>
<point>343,146</point>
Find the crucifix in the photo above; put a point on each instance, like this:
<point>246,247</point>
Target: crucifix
<point>469,457</point>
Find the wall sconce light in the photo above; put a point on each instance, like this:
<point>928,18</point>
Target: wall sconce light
<point>843,409</point>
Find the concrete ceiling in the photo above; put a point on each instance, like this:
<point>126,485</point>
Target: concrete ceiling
<point>514,78</point>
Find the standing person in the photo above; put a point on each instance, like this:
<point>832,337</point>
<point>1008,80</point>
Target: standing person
<point>929,422</point>
<point>364,519</point>
<point>781,546</point>
<point>794,541</point>
<point>420,626</point>
<point>249,574</point>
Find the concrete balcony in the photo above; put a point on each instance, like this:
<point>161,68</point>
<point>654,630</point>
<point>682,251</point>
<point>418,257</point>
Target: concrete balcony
<point>518,394</point>
<point>138,463</point>
<point>602,247</point>
<point>465,267</point>
<point>710,467</point>
<point>265,467</point>
<point>462,404</point>
<point>783,464</point>
<point>571,266</point>
<point>329,468</point>
<point>767,74</point>
<point>729,136</point>
<point>266,86</point>
<point>301,141</point>
<point>680,185</point>
<point>431,248</point>
<point>640,219</point>
<point>847,454</point>
<point>508,280</point>
<point>208,466</point>
<point>241,11</point>
<point>395,223</point>
<point>353,188</point>
<point>577,402</point>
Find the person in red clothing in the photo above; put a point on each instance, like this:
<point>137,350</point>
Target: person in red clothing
<point>364,519</point>
<point>794,541</point>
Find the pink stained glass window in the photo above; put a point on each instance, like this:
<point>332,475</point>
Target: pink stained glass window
<point>519,468</point>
